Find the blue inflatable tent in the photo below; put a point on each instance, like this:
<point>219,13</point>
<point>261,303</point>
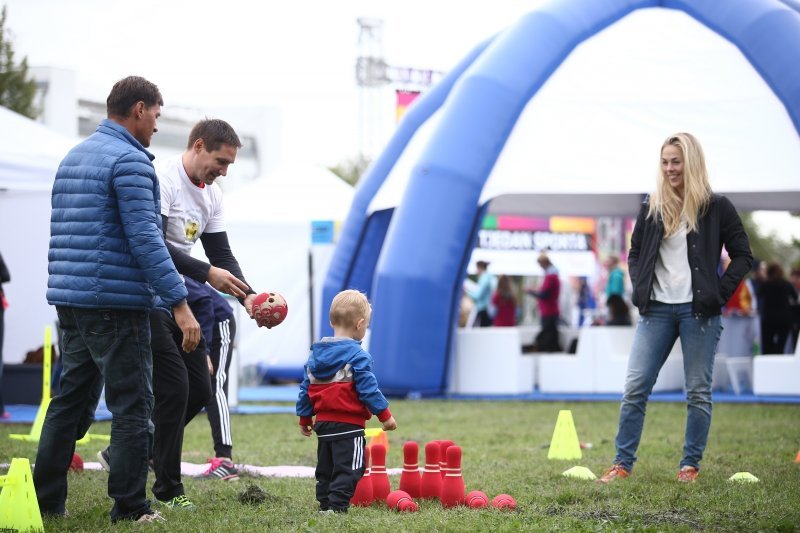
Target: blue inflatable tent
<point>411,259</point>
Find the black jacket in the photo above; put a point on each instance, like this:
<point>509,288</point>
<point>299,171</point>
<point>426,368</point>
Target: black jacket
<point>719,225</point>
<point>5,277</point>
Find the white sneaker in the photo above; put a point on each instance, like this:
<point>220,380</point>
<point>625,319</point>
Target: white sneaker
<point>152,516</point>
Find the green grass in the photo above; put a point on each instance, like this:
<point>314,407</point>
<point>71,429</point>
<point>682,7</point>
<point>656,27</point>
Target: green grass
<point>504,450</point>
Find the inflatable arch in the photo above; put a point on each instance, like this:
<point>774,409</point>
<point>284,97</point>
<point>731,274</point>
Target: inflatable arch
<point>412,273</point>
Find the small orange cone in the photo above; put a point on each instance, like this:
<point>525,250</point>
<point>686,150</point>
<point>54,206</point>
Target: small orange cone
<point>797,459</point>
<point>377,436</point>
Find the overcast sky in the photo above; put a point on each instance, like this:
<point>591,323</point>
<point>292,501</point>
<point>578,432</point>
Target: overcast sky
<point>294,55</point>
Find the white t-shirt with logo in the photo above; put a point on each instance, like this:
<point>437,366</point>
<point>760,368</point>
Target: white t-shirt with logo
<point>191,210</point>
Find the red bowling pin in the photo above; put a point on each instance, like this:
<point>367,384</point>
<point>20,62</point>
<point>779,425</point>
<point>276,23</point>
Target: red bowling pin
<point>453,487</point>
<point>443,445</point>
<point>380,479</point>
<point>431,482</point>
<point>410,477</point>
<point>399,500</point>
<point>362,496</point>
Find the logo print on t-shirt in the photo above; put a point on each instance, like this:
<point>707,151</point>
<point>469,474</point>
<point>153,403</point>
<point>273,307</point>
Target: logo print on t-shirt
<point>190,230</point>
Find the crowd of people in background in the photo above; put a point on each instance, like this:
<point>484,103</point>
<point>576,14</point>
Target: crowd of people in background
<point>762,316</point>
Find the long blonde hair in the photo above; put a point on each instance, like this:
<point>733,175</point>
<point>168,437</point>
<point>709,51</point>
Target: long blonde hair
<point>666,202</point>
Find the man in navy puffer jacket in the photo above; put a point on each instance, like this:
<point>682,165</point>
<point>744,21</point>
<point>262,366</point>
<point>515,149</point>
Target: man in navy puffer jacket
<point>108,266</point>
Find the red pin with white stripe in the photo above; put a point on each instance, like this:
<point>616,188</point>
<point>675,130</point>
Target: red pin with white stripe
<point>431,481</point>
<point>380,479</point>
<point>410,477</point>
<point>399,500</point>
<point>453,486</point>
<point>362,496</point>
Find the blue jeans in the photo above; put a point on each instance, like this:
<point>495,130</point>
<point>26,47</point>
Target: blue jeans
<point>100,347</point>
<point>655,335</point>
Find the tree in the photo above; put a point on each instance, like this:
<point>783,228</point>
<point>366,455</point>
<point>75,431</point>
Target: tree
<point>17,91</point>
<point>769,247</point>
<point>351,169</point>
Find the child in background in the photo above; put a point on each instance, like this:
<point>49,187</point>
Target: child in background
<point>505,303</point>
<point>341,390</point>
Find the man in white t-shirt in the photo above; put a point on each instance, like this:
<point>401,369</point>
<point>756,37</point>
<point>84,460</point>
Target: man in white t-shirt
<point>191,207</point>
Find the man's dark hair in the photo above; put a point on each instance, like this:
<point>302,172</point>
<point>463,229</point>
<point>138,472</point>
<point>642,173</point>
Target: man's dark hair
<point>214,133</point>
<point>774,271</point>
<point>127,91</point>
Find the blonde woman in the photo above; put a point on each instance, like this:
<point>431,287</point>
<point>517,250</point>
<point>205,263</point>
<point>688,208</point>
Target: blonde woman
<point>673,264</point>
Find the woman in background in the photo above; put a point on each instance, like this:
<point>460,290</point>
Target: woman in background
<point>675,252</point>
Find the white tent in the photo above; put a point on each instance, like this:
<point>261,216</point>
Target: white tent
<point>297,193</point>
<point>29,153</point>
<point>269,225</point>
<point>29,156</point>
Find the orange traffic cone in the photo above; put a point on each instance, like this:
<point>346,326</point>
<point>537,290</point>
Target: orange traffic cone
<point>377,436</point>
<point>797,459</point>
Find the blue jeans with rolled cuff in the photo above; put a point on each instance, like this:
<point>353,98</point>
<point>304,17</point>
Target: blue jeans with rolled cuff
<point>655,336</point>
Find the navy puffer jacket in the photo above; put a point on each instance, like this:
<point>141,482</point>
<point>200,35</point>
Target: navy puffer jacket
<point>106,245</point>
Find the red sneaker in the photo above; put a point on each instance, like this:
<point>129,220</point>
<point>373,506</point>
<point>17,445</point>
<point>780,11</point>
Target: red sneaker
<point>688,474</point>
<point>220,468</point>
<point>616,471</point>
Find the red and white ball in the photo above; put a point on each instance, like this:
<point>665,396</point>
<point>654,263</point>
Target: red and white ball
<point>504,501</point>
<point>269,309</point>
<point>76,465</point>
<point>399,500</point>
<point>477,500</point>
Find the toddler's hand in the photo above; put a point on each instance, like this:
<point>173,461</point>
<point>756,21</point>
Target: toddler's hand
<point>390,424</point>
<point>306,430</point>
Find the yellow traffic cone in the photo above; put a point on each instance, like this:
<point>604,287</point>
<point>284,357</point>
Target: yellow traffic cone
<point>377,436</point>
<point>19,510</point>
<point>36,429</point>
<point>565,444</point>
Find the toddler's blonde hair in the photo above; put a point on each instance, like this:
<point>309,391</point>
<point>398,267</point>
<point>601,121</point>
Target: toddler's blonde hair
<point>348,307</point>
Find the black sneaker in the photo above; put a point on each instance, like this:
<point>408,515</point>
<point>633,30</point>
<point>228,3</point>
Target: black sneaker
<point>104,458</point>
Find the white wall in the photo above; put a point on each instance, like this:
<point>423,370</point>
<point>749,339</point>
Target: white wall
<point>24,235</point>
<point>58,99</point>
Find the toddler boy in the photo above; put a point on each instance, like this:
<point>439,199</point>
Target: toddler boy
<point>341,390</point>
